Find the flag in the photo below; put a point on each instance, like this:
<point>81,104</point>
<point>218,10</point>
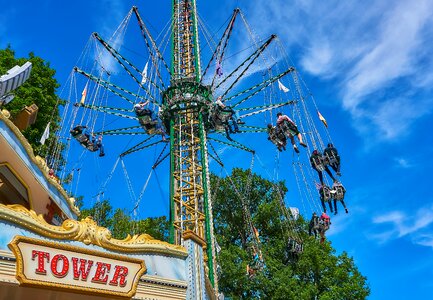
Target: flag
<point>144,74</point>
<point>282,87</point>
<point>217,247</point>
<point>295,212</point>
<point>46,134</point>
<point>83,94</point>
<point>321,118</point>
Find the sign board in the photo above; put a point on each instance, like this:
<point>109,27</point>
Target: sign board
<point>56,265</point>
<point>14,78</point>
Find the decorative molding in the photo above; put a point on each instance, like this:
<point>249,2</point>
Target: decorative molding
<point>87,232</point>
<point>39,162</point>
<point>190,235</point>
<point>163,281</point>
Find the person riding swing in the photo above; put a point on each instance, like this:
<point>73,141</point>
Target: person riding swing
<point>231,119</point>
<point>333,159</point>
<point>317,163</point>
<point>145,117</point>
<point>338,192</point>
<point>277,137</point>
<point>324,224</point>
<point>325,197</point>
<point>289,128</point>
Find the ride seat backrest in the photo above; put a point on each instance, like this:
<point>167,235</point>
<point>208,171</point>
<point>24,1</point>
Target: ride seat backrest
<point>81,138</point>
<point>318,163</point>
<point>340,191</point>
<point>326,160</point>
<point>326,193</point>
<point>216,117</point>
<point>273,135</point>
<point>224,116</point>
<point>316,222</point>
<point>88,144</point>
<point>331,157</point>
<point>143,112</point>
<point>279,134</point>
<point>145,119</point>
<point>287,128</point>
<point>324,224</point>
<point>92,147</point>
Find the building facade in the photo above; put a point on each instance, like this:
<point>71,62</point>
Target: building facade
<point>45,253</point>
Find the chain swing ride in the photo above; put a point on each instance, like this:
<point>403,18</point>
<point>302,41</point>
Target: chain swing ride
<point>184,112</point>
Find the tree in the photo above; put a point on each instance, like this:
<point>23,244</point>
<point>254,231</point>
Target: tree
<point>121,224</point>
<point>101,212</point>
<point>318,273</point>
<point>40,89</point>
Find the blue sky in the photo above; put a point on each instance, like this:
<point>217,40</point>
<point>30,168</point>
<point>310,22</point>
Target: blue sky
<point>369,65</point>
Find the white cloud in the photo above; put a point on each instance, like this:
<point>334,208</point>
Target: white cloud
<point>339,224</point>
<point>318,59</point>
<point>380,60</point>
<point>403,225</point>
<point>403,163</point>
<point>393,53</point>
<point>116,10</point>
<point>392,120</point>
<point>424,240</point>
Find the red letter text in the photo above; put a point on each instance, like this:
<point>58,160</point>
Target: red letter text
<point>65,267</point>
<point>101,270</point>
<point>83,271</point>
<point>41,261</point>
<point>119,272</point>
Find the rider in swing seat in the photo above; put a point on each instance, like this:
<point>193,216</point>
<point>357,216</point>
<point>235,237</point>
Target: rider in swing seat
<point>331,154</point>
<point>290,129</point>
<point>278,139</point>
<point>325,223</point>
<point>325,197</point>
<point>230,123</point>
<point>338,192</point>
<point>316,161</point>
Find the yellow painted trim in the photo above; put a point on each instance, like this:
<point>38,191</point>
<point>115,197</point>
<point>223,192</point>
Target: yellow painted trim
<point>87,232</point>
<point>40,163</point>
<point>20,179</point>
<point>13,245</point>
<point>189,234</point>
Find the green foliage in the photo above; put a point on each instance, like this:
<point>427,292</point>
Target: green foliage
<point>40,89</point>
<point>101,212</point>
<point>121,224</point>
<point>318,273</point>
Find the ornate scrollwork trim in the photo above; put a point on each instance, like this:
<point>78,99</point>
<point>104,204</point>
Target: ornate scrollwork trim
<point>87,232</point>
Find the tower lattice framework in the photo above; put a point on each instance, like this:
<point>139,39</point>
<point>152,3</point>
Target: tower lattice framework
<point>184,103</point>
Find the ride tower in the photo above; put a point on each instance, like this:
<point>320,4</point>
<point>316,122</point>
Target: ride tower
<point>185,107</point>
<point>183,116</point>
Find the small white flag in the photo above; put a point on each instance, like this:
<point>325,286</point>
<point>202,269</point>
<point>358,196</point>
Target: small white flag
<point>295,212</point>
<point>282,87</point>
<point>144,74</point>
<point>83,94</point>
<point>217,247</point>
<point>46,134</point>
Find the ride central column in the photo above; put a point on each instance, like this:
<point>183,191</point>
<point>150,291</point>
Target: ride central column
<point>186,105</point>
<point>185,110</point>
